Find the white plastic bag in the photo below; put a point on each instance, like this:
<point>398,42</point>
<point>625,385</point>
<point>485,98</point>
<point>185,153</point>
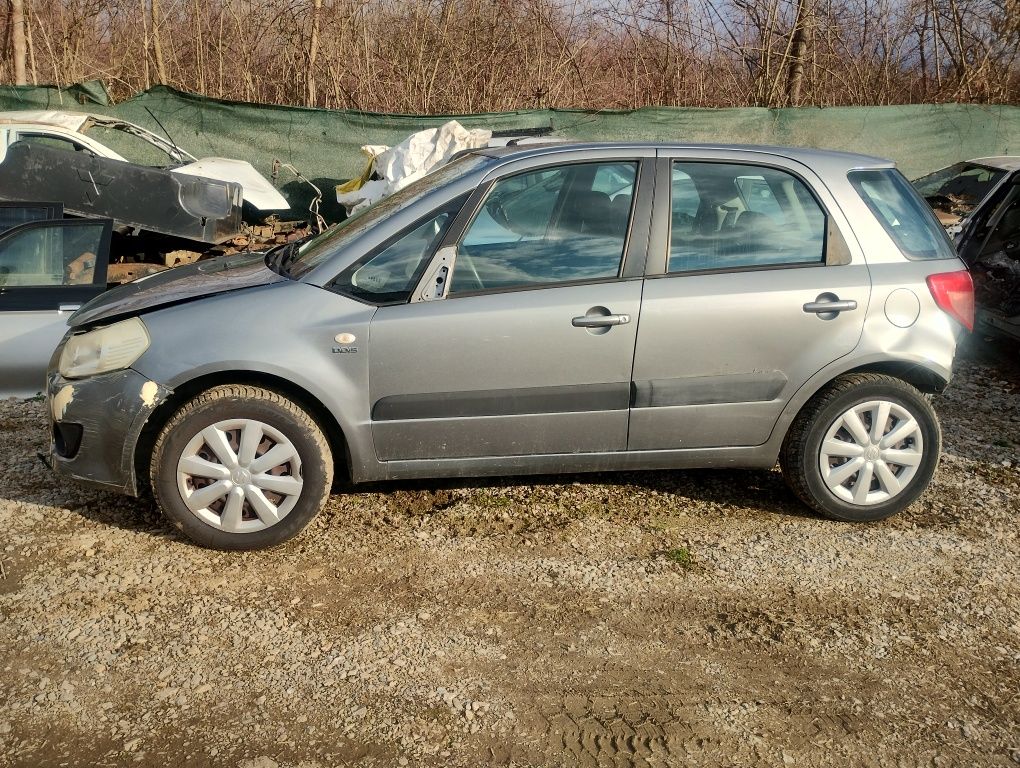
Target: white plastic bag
<point>411,159</point>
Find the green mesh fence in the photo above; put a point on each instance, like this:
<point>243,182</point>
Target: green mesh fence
<point>324,144</point>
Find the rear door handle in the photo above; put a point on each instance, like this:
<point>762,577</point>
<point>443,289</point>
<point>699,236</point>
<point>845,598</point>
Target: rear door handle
<point>599,321</point>
<point>825,307</point>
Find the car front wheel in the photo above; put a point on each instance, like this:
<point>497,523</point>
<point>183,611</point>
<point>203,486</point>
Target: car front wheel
<point>241,467</point>
<point>863,448</point>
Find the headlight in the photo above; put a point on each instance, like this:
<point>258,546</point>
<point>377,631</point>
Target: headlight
<point>103,350</point>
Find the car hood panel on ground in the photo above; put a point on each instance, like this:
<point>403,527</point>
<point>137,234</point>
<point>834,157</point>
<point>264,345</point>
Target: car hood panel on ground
<point>195,281</point>
<point>262,195</point>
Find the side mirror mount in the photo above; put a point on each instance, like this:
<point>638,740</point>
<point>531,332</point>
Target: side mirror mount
<point>436,283</point>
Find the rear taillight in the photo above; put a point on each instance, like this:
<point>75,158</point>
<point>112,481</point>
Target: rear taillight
<point>954,293</point>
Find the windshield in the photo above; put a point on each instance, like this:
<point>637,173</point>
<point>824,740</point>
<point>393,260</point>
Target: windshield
<point>135,145</point>
<point>320,248</point>
<point>956,190</point>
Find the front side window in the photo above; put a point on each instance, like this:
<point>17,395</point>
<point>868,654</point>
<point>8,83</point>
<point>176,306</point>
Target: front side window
<point>905,216</point>
<point>729,216</point>
<point>50,256</point>
<point>552,225</point>
<point>389,275</point>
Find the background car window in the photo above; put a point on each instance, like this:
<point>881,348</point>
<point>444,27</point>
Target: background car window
<point>12,214</point>
<point>50,256</point>
<point>53,142</point>
<point>728,216</point>
<point>904,215</point>
<point>962,183</point>
<point>389,275</point>
<point>553,225</point>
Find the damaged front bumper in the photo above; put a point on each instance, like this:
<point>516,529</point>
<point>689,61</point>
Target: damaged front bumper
<point>95,425</point>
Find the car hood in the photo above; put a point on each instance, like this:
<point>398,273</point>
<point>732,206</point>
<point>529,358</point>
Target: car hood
<point>262,195</point>
<point>174,286</point>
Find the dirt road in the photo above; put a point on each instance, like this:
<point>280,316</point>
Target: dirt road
<point>645,619</point>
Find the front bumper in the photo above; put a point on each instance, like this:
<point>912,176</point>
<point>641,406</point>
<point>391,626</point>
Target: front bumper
<point>95,424</point>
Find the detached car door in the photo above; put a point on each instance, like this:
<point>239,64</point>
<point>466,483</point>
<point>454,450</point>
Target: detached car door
<point>751,289</point>
<point>47,270</point>
<point>520,338</point>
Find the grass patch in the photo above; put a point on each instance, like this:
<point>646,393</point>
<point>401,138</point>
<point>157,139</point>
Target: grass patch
<point>680,556</point>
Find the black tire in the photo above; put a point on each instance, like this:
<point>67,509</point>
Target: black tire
<point>801,449</point>
<point>242,402</point>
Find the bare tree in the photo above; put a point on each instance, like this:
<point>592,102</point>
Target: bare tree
<point>800,39</point>
<point>157,45</point>
<point>16,22</point>
<point>435,56</point>
<point>313,55</point>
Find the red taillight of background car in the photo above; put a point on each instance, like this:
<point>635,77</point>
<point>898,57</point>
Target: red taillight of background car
<point>954,293</point>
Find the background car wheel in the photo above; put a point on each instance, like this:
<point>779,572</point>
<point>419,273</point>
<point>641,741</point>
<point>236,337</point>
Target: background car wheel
<point>241,467</point>
<point>863,448</point>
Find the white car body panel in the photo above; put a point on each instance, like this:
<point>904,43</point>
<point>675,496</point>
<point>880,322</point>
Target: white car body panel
<point>258,191</point>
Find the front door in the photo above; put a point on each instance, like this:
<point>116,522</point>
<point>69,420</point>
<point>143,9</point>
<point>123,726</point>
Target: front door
<point>47,270</point>
<point>529,347</point>
<point>754,291</point>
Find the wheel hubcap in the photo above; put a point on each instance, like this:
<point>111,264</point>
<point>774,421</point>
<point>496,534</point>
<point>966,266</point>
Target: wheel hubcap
<point>871,452</point>
<point>240,475</point>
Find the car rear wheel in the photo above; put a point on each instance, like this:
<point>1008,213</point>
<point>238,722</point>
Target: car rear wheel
<point>241,467</point>
<point>863,448</point>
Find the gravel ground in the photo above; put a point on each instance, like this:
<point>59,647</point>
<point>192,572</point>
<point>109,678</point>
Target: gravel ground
<point>664,618</point>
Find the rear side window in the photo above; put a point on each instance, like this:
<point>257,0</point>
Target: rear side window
<point>903,214</point>
<point>729,216</point>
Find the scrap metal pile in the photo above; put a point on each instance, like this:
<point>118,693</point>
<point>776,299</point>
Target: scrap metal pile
<point>167,207</point>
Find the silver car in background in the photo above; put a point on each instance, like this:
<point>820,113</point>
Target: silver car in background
<point>545,309</point>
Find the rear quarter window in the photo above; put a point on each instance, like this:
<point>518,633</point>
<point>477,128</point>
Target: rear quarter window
<point>903,214</point>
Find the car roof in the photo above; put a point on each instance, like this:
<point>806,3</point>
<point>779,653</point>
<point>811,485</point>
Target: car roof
<point>826,159</point>
<point>1001,162</point>
<point>71,121</point>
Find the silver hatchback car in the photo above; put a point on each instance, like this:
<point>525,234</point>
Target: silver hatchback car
<point>557,308</point>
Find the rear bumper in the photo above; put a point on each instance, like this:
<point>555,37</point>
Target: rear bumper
<point>95,424</point>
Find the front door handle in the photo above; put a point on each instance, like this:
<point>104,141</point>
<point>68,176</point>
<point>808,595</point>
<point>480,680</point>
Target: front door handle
<point>599,321</point>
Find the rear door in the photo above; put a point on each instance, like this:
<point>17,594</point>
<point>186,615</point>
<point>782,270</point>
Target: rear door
<point>527,346</point>
<point>751,289</point>
<point>47,270</point>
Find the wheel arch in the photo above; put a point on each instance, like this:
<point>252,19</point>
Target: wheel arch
<point>928,378</point>
<point>923,378</point>
<point>184,392</point>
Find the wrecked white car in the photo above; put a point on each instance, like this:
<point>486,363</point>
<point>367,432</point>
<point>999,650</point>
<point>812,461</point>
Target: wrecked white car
<point>102,166</point>
<point>978,201</point>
